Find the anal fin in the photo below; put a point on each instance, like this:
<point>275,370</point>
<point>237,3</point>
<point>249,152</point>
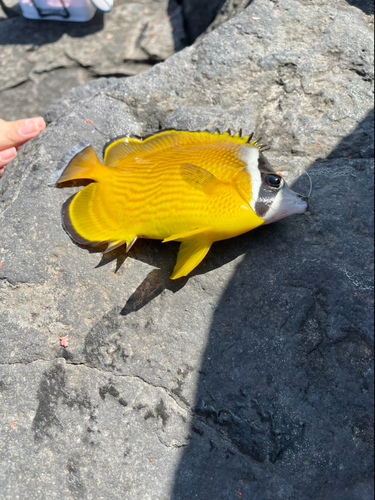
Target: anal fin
<point>114,244</point>
<point>130,243</point>
<point>191,253</point>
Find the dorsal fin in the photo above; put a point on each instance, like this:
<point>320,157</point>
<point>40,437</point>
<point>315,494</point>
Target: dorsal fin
<point>121,147</point>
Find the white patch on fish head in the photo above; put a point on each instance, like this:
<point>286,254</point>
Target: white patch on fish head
<point>250,156</point>
<point>271,199</point>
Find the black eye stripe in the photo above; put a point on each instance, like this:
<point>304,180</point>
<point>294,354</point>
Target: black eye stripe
<point>267,192</point>
<point>266,195</point>
<point>261,208</point>
<point>263,165</point>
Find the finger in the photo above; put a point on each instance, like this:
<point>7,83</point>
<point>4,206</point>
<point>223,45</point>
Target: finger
<point>14,134</point>
<point>6,156</point>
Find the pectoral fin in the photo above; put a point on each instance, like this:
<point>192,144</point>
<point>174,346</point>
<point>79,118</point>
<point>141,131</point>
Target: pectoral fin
<point>191,253</point>
<point>200,178</point>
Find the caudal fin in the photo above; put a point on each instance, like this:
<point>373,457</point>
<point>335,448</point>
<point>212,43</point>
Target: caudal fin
<point>88,219</point>
<point>84,165</point>
<point>90,216</point>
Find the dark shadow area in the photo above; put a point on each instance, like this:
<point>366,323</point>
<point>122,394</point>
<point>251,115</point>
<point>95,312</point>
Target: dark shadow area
<point>14,11</point>
<point>366,5</point>
<point>174,11</point>
<point>154,284</point>
<point>163,257</point>
<point>197,16</point>
<point>19,30</point>
<point>359,144</point>
<point>284,404</point>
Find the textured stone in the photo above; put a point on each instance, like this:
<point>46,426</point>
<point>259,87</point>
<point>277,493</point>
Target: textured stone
<point>253,377</point>
<point>39,60</point>
<point>76,94</point>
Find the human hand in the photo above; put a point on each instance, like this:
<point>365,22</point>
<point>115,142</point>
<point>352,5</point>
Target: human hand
<point>14,134</point>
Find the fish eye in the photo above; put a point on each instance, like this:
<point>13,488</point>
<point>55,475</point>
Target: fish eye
<point>273,180</point>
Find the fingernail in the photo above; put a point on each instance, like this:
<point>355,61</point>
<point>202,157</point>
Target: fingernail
<point>8,154</point>
<point>31,126</point>
<point>38,120</point>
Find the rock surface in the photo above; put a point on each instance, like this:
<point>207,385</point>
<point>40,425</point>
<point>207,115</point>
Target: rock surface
<point>39,60</point>
<point>252,378</point>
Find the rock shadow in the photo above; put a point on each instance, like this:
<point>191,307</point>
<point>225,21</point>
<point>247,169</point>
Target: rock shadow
<point>13,11</point>
<point>284,403</point>
<point>17,30</point>
<point>159,280</point>
<point>163,257</point>
<point>367,6</point>
<point>176,18</point>
<point>197,16</point>
<point>358,144</point>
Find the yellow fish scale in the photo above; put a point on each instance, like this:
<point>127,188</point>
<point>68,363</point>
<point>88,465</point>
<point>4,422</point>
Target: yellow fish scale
<point>218,159</point>
<point>157,201</point>
<point>190,187</point>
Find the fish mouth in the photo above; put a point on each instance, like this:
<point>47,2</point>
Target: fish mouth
<point>289,203</point>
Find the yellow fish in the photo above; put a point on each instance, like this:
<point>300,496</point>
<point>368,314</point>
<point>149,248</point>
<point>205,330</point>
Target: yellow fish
<point>191,187</point>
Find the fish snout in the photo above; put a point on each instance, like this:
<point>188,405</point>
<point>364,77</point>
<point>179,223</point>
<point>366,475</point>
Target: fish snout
<point>305,199</point>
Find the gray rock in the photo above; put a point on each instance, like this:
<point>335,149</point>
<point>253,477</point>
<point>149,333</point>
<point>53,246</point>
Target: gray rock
<point>40,60</point>
<point>74,95</point>
<point>253,377</point>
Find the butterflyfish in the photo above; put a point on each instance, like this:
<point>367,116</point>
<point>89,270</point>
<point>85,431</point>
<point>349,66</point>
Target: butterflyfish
<point>192,187</point>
